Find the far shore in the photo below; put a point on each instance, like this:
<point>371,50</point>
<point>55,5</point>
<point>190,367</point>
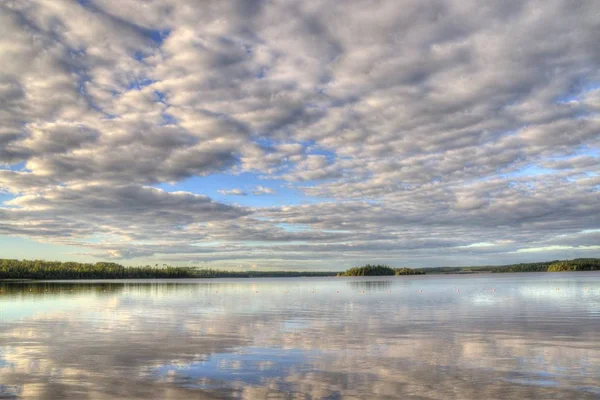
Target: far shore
<point>28,270</point>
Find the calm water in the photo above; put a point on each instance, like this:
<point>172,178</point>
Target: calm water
<point>434,337</point>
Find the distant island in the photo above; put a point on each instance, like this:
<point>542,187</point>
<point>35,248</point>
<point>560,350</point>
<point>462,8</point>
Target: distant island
<point>55,270</point>
<point>380,270</point>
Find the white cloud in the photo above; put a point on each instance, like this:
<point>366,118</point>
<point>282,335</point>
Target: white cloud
<point>233,192</point>
<point>260,190</point>
<point>434,118</point>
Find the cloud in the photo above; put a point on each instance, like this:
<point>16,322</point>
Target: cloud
<point>261,190</point>
<point>125,213</point>
<point>434,118</point>
<point>233,192</point>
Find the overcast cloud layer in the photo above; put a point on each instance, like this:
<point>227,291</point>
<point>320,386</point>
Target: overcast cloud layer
<point>411,132</point>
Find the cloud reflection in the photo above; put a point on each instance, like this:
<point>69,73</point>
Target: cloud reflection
<point>182,340</point>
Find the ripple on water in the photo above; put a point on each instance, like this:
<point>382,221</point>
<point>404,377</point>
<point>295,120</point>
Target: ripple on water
<point>364,337</point>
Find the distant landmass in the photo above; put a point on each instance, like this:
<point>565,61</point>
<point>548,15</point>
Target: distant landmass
<point>380,270</point>
<point>40,269</point>
<point>577,264</point>
<point>44,270</point>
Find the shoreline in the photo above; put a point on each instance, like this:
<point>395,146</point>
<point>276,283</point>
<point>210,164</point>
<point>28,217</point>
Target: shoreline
<point>69,280</point>
<point>39,270</point>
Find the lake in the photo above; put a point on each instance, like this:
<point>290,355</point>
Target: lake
<point>486,336</point>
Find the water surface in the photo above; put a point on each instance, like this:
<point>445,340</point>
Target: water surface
<point>526,335</point>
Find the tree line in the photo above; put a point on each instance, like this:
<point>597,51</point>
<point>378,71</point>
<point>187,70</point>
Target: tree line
<point>578,264</point>
<point>42,270</point>
<point>39,269</point>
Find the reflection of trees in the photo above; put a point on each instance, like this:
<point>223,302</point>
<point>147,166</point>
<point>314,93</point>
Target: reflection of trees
<point>41,288</point>
<point>370,285</point>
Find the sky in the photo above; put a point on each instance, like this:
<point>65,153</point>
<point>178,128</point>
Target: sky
<point>300,135</point>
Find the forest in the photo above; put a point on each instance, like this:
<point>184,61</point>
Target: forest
<point>379,270</point>
<point>40,270</point>
<point>578,264</point>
